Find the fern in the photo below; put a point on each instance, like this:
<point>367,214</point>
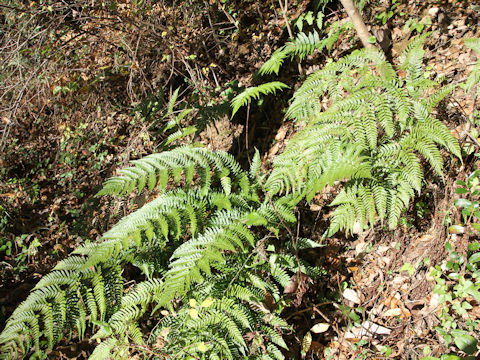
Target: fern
<point>191,242</point>
<point>302,46</point>
<point>202,242</point>
<point>214,313</point>
<point>373,137</point>
<point>474,77</point>
<point>255,92</point>
<point>156,169</point>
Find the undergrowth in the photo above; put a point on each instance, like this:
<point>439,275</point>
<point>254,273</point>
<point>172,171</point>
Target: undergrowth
<point>201,242</point>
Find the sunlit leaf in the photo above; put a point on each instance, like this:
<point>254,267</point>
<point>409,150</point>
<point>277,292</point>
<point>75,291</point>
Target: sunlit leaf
<point>465,341</point>
<point>193,313</point>
<point>202,347</point>
<point>207,302</point>
<point>320,328</point>
<point>306,342</point>
<point>456,229</point>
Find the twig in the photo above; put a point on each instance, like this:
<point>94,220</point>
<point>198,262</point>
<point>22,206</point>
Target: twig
<point>308,309</point>
<point>290,232</point>
<point>284,9</point>
<point>229,17</point>
<point>472,138</point>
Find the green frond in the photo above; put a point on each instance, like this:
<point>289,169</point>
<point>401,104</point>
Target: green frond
<point>302,46</point>
<point>254,93</point>
<point>427,148</point>
<point>274,337</point>
<point>155,170</point>
<point>103,351</point>
<point>411,60</point>
<point>179,134</point>
<point>434,129</point>
<point>371,137</point>
<point>434,99</point>
<point>197,255</point>
<point>273,64</point>
<point>87,287</point>
<point>412,169</point>
<point>255,166</point>
<point>384,114</point>
<point>473,43</point>
<point>474,77</point>
<point>413,51</point>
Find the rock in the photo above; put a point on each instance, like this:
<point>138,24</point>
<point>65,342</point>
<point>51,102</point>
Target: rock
<point>433,12</point>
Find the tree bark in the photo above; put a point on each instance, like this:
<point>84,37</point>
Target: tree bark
<point>358,23</point>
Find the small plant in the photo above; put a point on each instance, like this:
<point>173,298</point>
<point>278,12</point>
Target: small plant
<point>387,14</point>
<point>416,25</point>
<point>456,326</point>
<point>26,248</point>
<point>309,18</point>
<point>5,244</point>
<point>304,45</point>
<point>468,204</point>
<point>458,278</point>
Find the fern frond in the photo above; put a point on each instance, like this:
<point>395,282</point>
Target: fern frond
<point>474,77</point>
<point>302,46</point>
<point>273,64</point>
<point>156,169</point>
<point>87,287</point>
<point>434,99</point>
<point>254,93</point>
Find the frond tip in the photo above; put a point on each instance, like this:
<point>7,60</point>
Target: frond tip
<point>254,93</point>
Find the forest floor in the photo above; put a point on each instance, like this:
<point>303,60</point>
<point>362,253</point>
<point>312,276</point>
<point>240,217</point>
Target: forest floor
<point>91,116</point>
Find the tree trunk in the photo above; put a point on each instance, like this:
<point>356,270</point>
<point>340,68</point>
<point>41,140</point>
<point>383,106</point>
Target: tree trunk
<point>358,23</point>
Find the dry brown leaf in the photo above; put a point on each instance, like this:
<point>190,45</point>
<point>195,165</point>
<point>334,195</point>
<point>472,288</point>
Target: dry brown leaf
<point>351,295</point>
<point>475,312</point>
<point>292,286</point>
<point>320,328</point>
<point>392,312</point>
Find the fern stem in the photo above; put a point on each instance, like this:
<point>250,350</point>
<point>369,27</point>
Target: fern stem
<point>294,238</point>
<point>289,29</point>
<point>246,262</point>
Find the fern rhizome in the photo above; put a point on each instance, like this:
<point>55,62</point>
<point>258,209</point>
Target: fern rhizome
<point>205,244</point>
